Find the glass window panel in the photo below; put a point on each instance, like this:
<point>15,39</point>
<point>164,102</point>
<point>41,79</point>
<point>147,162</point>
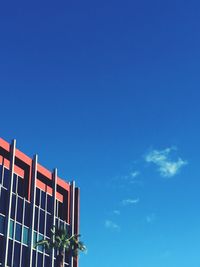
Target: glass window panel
<point>47,261</point>
<point>3,201</point>
<point>14,183</point>
<point>2,224</point>
<point>1,168</point>
<point>40,237</point>
<point>36,219</point>
<point>34,258</point>
<point>43,200</point>
<point>25,256</point>
<point>6,178</point>
<point>25,235</point>
<point>40,260</point>
<point>20,189</point>
<point>10,245</point>
<point>27,214</point>
<point>37,197</point>
<point>18,232</point>
<point>19,209</point>
<point>49,203</point>
<point>13,206</point>
<point>41,222</point>
<point>16,254</point>
<point>2,248</point>
<point>48,225</point>
<point>11,231</point>
<point>34,238</point>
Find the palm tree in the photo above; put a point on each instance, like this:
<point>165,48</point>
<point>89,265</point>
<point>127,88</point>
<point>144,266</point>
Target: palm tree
<point>61,241</point>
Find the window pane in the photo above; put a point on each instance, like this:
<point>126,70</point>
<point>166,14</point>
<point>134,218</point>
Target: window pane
<point>19,209</point>
<point>27,214</point>
<point>25,256</point>
<point>40,248</point>
<point>40,258</point>
<point>34,238</point>
<point>3,201</point>
<point>10,245</point>
<point>49,203</point>
<point>13,206</point>
<point>16,254</point>
<point>36,219</point>
<point>20,189</point>
<point>37,197</point>
<point>42,218</point>
<point>48,225</point>
<point>14,183</point>
<point>2,248</point>
<point>11,232</point>
<point>2,224</point>
<point>25,235</point>
<point>43,200</point>
<point>6,178</point>
<point>47,261</point>
<point>33,258</point>
<point>18,232</point>
<point>1,168</point>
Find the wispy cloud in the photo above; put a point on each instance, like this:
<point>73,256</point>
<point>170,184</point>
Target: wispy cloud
<point>151,218</point>
<point>130,201</point>
<point>134,174</point>
<point>112,225</point>
<point>116,212</point>
<point>162,159</point>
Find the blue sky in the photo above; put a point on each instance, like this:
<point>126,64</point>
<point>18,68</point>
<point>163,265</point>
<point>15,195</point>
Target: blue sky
<point>108,92</point>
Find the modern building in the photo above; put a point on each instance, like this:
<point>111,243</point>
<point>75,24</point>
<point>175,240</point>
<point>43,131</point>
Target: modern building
<point>32,200</point>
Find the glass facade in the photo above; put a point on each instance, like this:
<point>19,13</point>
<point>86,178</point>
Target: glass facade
<point>20,221</point>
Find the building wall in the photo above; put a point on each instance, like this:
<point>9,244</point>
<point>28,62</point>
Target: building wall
<point>32,200</point>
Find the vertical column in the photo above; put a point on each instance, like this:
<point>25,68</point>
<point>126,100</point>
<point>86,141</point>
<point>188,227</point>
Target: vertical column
<point>10,186</point>
<point>54,180</point>
<point>72,212</point>
<point>32,201</point>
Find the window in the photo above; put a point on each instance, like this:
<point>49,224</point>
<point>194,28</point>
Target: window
<point>10,245</point>
<point>27,214</point>
<point>40,260</point>
<point>20,189</point>
<point>37,197</point>
<point>33,258</point>
<point>47,261</point>
<point>48,225</point>
<point>40,237</point>
<point>16,255</point>
<point>49,203</point>
<point>19,209</point>
<point>13,206</point>
<point>6,178</point>
<point>3,201</point>
<point>25,235</point>
<point>42,220</point>
<point>25,256</point>
<point>34,238</point>
<point>11,231</point>
<point>43,200</point>
<point>18,232</point>
<point>14,183</point>
<point>2,248</point>
<point>1,168</point>
<point>36,219</point>
<point>2,224</point>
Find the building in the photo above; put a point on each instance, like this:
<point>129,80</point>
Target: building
<point>32,200</point>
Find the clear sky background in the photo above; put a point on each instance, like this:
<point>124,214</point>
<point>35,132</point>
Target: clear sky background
<point>109,92</point>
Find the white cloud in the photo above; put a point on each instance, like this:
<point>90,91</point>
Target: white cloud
<point>166,166</point>
<point>116,212</point>
<point>150,218</point>
<point>130,201</point>
<point>134,174</point>
<point>112,225</point>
